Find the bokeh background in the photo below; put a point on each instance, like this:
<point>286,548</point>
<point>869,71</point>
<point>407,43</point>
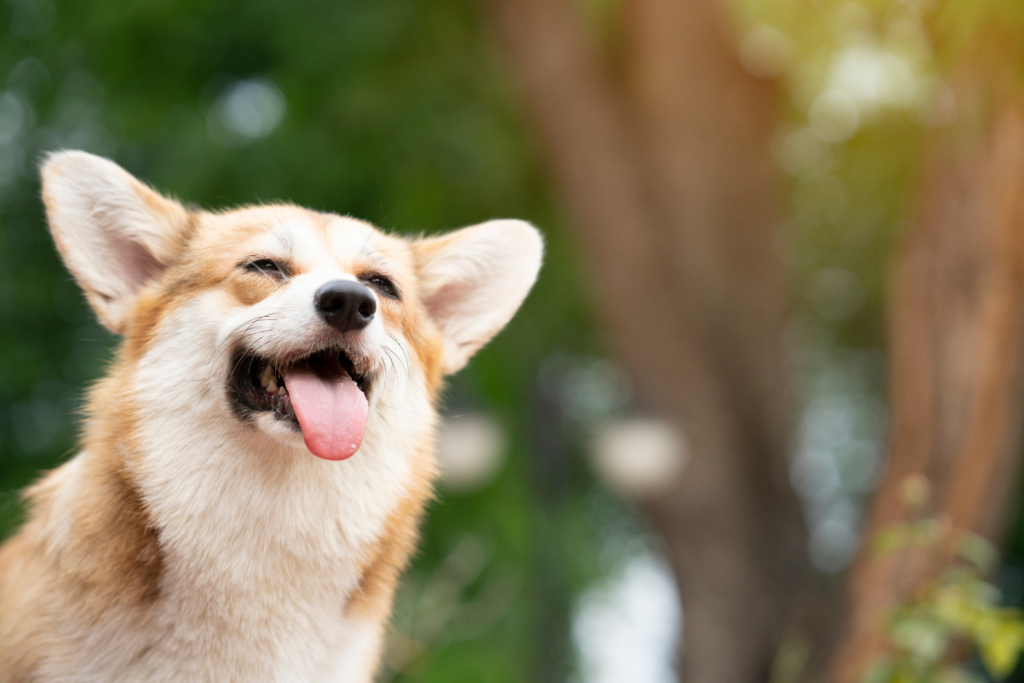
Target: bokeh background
<point>795,146</point>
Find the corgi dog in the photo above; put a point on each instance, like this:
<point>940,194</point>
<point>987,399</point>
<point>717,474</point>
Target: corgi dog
<point>254,465</point>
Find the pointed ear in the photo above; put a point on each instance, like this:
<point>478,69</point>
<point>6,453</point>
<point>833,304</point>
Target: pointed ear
<point>114,233</point>
<point>473,280</point>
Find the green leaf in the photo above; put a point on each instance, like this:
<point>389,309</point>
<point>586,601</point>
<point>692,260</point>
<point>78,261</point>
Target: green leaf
<point>1002,647</point>
<point>891,539</point>
<point>921,635</point>
<point>979,551</point>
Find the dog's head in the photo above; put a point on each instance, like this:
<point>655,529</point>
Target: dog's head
<point>293,324</point>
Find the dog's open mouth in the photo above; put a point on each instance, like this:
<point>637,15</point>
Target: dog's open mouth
<point>322,395</point>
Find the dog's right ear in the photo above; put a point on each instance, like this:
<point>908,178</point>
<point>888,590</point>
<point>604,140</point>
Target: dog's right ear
<point>114,233</point>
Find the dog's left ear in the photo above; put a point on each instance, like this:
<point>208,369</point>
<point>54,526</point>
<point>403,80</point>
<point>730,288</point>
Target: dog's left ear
<point>472,281</point>
<point>114,233</point>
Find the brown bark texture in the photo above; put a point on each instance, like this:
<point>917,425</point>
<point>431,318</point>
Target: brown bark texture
<point>956,333</point>
<point>664,166</point>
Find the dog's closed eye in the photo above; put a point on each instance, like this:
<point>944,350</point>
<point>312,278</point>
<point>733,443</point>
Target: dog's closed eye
<point>385,286</point>
<point>267,267</point>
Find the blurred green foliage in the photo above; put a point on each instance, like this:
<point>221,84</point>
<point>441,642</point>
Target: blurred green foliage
<point>955,615</point>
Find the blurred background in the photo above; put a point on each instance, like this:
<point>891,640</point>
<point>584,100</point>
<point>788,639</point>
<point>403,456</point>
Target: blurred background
<point>780,315</point>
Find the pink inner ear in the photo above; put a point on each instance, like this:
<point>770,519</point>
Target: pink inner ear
<point>446,301</point>
<point>135,262</point>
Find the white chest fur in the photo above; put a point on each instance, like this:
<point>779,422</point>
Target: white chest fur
<point>257,566</point>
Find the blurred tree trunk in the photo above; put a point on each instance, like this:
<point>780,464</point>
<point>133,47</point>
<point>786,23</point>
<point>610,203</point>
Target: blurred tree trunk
<point>956,341</point>
<point>664,165</point>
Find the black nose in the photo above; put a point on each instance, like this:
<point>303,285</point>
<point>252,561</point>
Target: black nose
<point>345,305</point>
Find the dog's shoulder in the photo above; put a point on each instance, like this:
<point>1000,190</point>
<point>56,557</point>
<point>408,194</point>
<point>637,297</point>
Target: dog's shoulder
<point>88,550</point>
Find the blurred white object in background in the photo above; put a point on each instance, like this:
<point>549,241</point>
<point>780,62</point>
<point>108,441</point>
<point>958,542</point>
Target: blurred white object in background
<point>627,629</point>
<point>470,449</point>
<point>246,110</point>
<point>638,457</point>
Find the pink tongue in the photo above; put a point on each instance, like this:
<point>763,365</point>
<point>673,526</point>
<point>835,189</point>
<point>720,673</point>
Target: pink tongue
<point>332,412</point>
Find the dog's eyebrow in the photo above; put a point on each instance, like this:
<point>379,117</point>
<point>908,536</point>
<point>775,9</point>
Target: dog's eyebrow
<point>376,252</point>
<point>367,249</point>
<point>377,263</point>
<point>286,239</point>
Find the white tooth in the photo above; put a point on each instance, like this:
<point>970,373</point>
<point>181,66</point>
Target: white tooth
<point>266,376</point>
<point>282,391</point>
<point>271,386</point>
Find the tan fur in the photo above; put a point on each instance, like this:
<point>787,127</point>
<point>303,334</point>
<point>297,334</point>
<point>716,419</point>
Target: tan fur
<point>388,558</point>
<point>91,586</point>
